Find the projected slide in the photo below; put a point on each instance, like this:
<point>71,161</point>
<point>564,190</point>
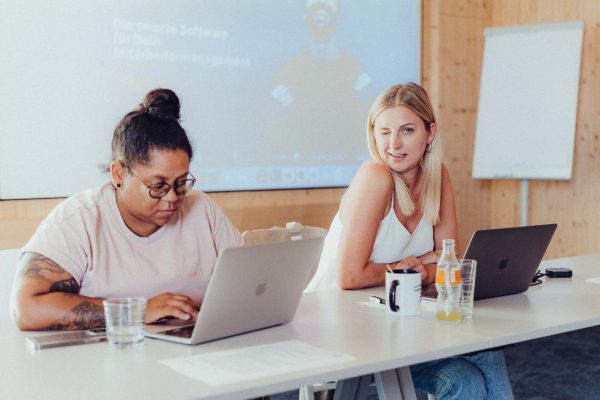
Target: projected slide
<point>275,94</point>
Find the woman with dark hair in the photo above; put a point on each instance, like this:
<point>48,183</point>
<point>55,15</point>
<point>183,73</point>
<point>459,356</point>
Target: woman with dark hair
<point>144,233</point>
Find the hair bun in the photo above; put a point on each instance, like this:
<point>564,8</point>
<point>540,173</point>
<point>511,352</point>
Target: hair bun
<point>161,103</point>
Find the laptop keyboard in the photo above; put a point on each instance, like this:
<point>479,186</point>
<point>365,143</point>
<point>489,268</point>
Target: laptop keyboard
<point>185,332</point>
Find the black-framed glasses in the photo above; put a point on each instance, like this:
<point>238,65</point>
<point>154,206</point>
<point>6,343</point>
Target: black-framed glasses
<point>158,190</point>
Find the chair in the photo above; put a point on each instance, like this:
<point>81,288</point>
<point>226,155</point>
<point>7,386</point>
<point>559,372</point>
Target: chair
<point>292,231</point>
<point>9,259</point>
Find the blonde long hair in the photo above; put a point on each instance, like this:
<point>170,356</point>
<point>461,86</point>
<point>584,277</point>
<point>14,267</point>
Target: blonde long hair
<point>414,97</point>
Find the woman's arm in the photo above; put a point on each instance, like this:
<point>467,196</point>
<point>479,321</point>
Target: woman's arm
<point>445,229</point>
<point>364,205</point>
<point>46,296</point>
<point>429,264</point>
<point>447,226</point>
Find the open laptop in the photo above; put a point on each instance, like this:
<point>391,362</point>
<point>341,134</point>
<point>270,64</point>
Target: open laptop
<point>252,287</point>
<point>507,259</point>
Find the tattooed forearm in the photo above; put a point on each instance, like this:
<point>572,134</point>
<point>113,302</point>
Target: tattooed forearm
<point>47,297</point>
<point>85,315</point>
<point>67,285</point>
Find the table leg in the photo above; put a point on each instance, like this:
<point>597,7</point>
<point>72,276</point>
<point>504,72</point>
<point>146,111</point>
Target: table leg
<point>395,384</point>
<point>353,388</point>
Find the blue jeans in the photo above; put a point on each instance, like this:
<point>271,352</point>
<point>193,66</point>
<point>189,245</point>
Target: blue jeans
<point>481,375</point>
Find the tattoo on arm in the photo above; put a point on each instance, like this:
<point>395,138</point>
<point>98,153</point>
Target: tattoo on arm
<point>67,285</point>
<point>42,268</point>
<point>85,315</point>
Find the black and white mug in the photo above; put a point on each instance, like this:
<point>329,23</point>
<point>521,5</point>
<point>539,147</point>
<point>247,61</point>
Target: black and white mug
<point>403,292</point>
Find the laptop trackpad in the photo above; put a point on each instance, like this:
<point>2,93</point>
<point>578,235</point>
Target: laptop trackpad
<point>171,327</point>
<point>184,332</point>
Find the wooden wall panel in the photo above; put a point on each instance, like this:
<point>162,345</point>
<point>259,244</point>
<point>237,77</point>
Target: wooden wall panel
<point>453,49</point>
<point>571,204</point>
<point>247,210</point>
<point>453,52</point>
<point>20,218</point>
<point>251,210</point>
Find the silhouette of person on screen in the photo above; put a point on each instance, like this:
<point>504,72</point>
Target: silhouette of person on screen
<point>319,94</point>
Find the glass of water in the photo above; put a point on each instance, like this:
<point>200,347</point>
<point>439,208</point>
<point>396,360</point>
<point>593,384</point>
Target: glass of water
<point>468,268</point>
<point>124,321</point>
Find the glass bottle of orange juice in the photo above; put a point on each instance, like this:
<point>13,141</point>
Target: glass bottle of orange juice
<point>448,284</point>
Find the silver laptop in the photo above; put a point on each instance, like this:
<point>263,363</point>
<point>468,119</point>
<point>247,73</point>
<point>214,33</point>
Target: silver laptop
<point>507,259</point>
<point>252,287</point>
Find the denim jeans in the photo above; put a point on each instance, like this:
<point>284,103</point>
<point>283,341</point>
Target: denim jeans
<point>481,375</point>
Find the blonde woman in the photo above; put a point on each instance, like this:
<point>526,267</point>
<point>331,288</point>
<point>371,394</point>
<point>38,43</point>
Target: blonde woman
<point>397,210</point>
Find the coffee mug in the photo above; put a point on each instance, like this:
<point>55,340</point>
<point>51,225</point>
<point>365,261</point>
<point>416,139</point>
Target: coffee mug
<point>403,292</point>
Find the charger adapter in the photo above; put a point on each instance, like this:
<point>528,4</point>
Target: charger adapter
<point>559,272</point>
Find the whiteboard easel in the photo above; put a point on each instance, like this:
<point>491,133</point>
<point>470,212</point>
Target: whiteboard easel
<point>528,104</point>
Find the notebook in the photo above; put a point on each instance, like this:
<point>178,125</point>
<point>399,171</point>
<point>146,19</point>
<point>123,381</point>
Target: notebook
<point>252,287</point>
<point>507,259</point>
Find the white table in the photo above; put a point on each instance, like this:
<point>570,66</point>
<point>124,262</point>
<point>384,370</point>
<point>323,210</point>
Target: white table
<point>330,320</point>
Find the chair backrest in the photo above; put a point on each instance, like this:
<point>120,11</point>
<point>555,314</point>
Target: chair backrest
<point>8,268</point>
<point>292,231</point>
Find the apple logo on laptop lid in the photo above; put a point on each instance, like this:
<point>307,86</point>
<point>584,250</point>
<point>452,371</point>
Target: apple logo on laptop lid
<point>503,263</point>
<point>260,288</point>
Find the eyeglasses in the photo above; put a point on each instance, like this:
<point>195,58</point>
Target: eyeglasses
<point>158,190</point>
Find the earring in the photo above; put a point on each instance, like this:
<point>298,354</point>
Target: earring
<point>428,148</point>
<point>118,185</point>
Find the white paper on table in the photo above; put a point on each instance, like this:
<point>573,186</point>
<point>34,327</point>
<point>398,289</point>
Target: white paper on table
<point>248,363</point>
<point>427,306</point>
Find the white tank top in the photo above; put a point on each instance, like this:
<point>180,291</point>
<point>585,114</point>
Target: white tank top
<point>392,243</point>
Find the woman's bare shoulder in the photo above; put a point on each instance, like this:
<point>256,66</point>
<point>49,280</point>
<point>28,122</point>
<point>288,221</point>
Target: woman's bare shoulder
<point>373,171</point>
<point>372,185</point>
<point>372,182</point>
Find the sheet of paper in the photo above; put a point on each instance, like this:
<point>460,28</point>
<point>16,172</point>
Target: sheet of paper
<point>427,306</point>
<point>248,363</point>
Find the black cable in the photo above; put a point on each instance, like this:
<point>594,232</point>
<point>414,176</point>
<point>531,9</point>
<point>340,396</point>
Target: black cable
<point>537,278</point>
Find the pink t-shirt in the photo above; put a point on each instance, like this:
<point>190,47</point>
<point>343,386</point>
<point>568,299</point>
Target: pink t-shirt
<point>87,236</point>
